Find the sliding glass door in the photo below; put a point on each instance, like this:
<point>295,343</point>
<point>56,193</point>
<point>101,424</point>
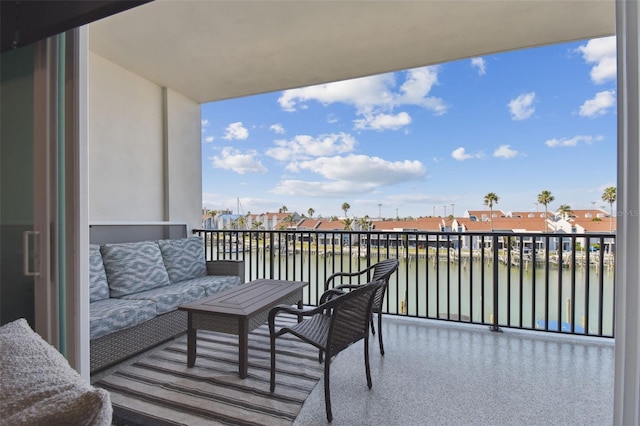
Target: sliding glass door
<point>19,261</point>
<point>42,215</point>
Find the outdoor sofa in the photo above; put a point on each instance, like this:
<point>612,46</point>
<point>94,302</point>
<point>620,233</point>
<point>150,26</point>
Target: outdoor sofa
<point>136,289</point>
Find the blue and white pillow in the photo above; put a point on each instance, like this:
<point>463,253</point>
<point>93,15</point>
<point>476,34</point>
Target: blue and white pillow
<point>183,258</point>
<point>133,267</point>
<point>98,285</point>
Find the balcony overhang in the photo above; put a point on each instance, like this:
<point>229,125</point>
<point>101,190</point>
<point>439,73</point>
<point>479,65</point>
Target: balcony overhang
<point>214,50</point>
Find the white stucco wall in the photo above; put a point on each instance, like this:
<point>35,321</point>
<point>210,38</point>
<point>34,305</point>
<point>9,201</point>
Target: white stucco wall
<point>144,149</point>
<point>184,152</point>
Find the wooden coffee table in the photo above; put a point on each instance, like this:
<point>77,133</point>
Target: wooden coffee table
<point>238,311</point>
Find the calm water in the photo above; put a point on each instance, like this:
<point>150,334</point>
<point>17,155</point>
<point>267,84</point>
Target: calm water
<point>466,290</point>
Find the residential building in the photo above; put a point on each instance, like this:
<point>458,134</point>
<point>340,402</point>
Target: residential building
<point>482,215</point>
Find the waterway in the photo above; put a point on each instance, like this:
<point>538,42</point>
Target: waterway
<point>528,297</point>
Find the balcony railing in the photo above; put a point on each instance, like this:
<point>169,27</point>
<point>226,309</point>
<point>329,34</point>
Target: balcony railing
<point>562,283</point>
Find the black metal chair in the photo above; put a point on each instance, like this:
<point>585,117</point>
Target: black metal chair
<point>382,271</point>
<point>340,320</point>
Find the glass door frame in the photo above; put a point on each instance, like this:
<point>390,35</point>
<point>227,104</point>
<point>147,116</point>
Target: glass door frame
<point>61,209</point>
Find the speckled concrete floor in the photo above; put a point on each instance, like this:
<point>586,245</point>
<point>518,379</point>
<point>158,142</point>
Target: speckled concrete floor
<point>437,373</point>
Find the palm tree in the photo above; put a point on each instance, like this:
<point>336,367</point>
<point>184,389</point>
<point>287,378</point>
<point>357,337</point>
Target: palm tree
<point>345,208</point>
<point>286,222</point>
<point>363,222</point>
<point>212,214</point>
<point>311,211</point>
<point>609,195</point>
<point>489,200</point>
<point>283,209</point>
<point>256,226</point>
<point>242,222</point>
<point>347,222</point>
<point>565,211</point>
<point>545,198</point>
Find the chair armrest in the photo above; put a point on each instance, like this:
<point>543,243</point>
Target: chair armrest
<point>345,274</point>
<point>226,267</point>
<point>348,286</point>
<point>291,310</point>
<point>331,294</point>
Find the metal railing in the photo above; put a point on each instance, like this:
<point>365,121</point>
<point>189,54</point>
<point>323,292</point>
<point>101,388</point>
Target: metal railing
<point>562,283</point>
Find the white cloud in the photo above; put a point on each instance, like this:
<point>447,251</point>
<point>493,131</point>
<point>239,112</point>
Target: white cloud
<point>574,141</point>
<point>383,121</point>
<point>324,189</point>
<point>213,201</point>
<point>305,146</point>
<point>505,151</point>
<point>480,64</point>
<point>521,108</point>
<point>332,118</point>
<point>372,96</point>
<point>236,131</point>
<point>360,92</point>
<point>417,86</point>
<point>417,198</point>
<point>461,154</point>
<point>277,128</point>
<point>204,124</point>
<point>235,160</point>
<point>353,174</point>
<point>599,105</point>
<point>602,53</point>
<point>362,168</point>
<point>209,139</point>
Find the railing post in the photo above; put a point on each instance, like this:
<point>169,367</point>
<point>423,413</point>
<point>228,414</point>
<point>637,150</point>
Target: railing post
<point>495,326</point>
<point>271,256</point>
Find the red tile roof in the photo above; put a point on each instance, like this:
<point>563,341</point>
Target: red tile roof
<point>582,214</point>
<point>479,213</point>
<point>331,225</point>
<point>422,224</point>
<point>308,223</point>
<point>590,225</point>
<point>535,224</point>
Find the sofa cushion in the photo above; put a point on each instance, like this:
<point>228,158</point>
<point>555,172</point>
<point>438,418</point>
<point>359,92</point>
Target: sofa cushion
<point>98,286</point>
<point>168,298</point>
<point>39,387</point>
<point>109,315</point>
<point>133,267</point>
<point>213,284</point>
<point>183,258</point>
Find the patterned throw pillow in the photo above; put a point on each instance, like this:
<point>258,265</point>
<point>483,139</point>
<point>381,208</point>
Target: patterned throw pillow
<point>98,286</point>
<point>133,267</point>
<point>184,258</point>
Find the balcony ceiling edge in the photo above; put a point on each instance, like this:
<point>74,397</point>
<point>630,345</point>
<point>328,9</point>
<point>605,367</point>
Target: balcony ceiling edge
<point>214,50</point>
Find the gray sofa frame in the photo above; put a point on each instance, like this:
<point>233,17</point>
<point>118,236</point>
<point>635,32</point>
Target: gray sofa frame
<point>116,347</point>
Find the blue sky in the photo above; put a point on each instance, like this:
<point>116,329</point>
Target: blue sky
<point>419,140</point>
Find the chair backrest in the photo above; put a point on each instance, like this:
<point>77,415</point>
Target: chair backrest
<point>382,271</point>
<point>350,317</point>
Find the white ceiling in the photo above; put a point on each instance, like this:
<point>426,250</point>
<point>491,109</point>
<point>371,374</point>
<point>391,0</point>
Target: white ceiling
<point>213,50</point>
